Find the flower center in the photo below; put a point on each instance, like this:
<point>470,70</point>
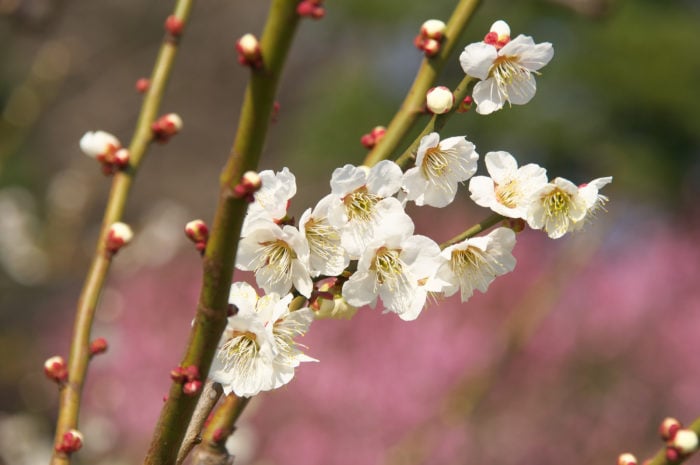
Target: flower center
<point>388,266</point>
<point>436,162</point>
<point>557,203</point>
<point>507,194</point>
<point>359,204</point>
<point>468,261</point>
<point>323,239</point>
<point>276,257</point>
<point>507,70</point>
<point>240,351</point>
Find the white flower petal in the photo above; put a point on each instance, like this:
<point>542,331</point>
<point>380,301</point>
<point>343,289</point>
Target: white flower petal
<point>488,97</point>
<point>477,58</point>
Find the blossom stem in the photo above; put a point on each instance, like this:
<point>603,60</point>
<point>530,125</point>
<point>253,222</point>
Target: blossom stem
<point>487,223</point>
<point>435,124</point>
<point>412,105</point>
<point>219,258</point>
<point>211,393</point>
<point>212,449</point>
<point>70,395</point>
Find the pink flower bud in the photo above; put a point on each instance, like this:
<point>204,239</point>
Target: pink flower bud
<point>166,126</point>
<point>174,25</point>
<point>685,441</point>
<point>311,9</point>
<point>142,85</point>
<point>251,180</point>
<point>98,346</point>
<point>668,428</point>
<point>499,34</point>
<point>119,235</point>
<point>56,369</point>
<point>431,47</point>
<point>191,372</point>
<point>465,105</point>
<point>626,459</point>
<point>197,231</point>
<point>672,455</point>
<point>177,374</point>
<point>439,100</point>
<point>121,158</point>
<point>249,53</point>
<point>191,388</point>
<point>433,29</point>
<point>71,441</point>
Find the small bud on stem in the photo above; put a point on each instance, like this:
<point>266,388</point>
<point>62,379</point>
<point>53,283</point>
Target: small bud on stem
<point>56,369</point>
<point>197,232</point>
<point>174,25</point>
<point>249,185</point>
<point>249,53</point>
<point>311,9</point>
<point>119,235</point>
<point>439,100</point>
<point>166,126</point>
<point>142,85</point>
<point>98,346</point>
<point>430,37</point>
<point>71,441</point>
<point>627,459</point>
<point>372,138</point>
<point>668,428</point>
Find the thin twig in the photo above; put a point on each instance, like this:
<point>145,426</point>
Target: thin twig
<point>212,449</point>
<point>210,396</point>
<point>70,398</point>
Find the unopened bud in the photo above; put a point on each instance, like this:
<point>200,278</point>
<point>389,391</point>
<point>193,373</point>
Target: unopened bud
<point>252,181</point>
<point>499,34</point>
<point>191,372</point>
<point>672,455</point>
<point>55,369</point>
<point>191,388</point>
<point>98,346</point>
<point>166,126</point>
<point>142,85</point>
<point>465,105</point>
<point>685,441</point>
<point>372,138</point>
<point>121,158</point>
<point>174,25</point>
<point>71,441</point>
<point>311,9</point>
<point>99,143</point>
<point>177,374</point>
<point>248,49</point>
<point>668,428</point>
<point>119,235</point>
<point>627,459</point>
<point>433,29</point>
<point>197,231</point>
<point>431,47</point>
<point>439,100</point>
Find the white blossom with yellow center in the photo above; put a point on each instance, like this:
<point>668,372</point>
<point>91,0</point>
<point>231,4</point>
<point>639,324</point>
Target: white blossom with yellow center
<point>258,352</point>
<point>557,208</point>
<point>326,254</point>
<point>279,256</point>
<point>509,189</point>
<point>272,199</point>
<point>440,167</point>
<point>361,204</point>
<point>474,263</point>
<point>398,268</point>
<point>506,73</point>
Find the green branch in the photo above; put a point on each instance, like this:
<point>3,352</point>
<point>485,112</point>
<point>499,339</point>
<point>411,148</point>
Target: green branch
<point>412,105</point>
<point>219,258</point>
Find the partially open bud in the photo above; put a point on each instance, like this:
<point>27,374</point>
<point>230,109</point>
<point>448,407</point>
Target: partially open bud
<point>668,428</point>
<point>98,144</point>
<point>142,85</point>
<point>197,232</point>
<point>174,25</point>
<point>499,34</point>
<point>98,346</point>
<point>248,49</point>
<point>431,47</point>
<point>439,100</point>
<point>71,441</point>
<point>433,29</point>
<point>249,185</point>
<point>685,441</point>
<point>166,126</point>
<point>119,235</point>
<point>56,369</point>
<point>627,459</point>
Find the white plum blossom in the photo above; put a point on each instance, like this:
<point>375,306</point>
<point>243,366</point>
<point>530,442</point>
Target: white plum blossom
<point>258,352</point>
<point>556,208</point>
<point>440,167</point>
<point>361,203</point>
<point>279,256</point>
<point>505,67</point>
<point>439,100</point>
<point>509,189</point>
<point>326,255</point>
<point>594,200</point>
<point>99,143</point>
<point>474,263</point>
<point>272,199</point>
<point>400,269</point>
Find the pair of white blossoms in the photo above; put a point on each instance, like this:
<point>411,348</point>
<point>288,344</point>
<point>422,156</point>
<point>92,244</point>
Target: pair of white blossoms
<point>363,221</point>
